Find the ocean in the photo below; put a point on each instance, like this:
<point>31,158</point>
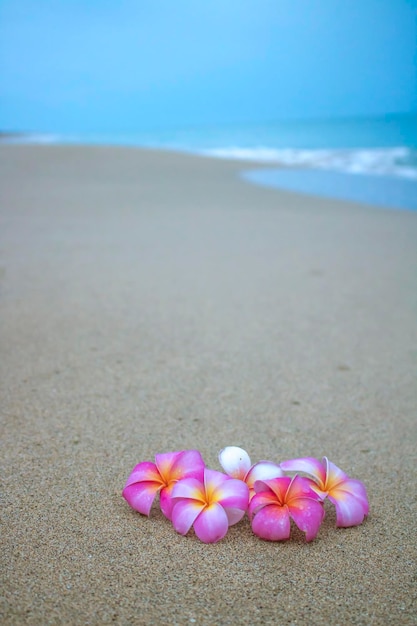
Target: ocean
<point>371,160</point>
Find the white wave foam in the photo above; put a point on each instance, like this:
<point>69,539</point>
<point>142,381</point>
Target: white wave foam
<point>396,161</point>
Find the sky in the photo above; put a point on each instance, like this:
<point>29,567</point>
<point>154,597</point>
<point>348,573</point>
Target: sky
<point>127,65</point>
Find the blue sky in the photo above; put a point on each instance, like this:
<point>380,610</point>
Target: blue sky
<point>100,66</point>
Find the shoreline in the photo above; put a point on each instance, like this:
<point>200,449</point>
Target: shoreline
<point>154,301</point>
<point>376,190</point>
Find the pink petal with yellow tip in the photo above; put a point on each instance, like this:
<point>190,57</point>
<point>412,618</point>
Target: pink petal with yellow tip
<point>165,462</point>
<point>212,524</point>
<point>351,502</point>
<point>307,464</point>
<point>300,487</point>
<point>141,495</point>
<point>189,488</point>
<point>334,475</point>
<point>213,480</point>
<point>261,499</point>
<point>190,463</point>
<point>272,523</point>
<point>176,465</point>
<point>145,471</point>
<point>235,461</point>
<point>278,486</point>
<point>232,493</point>
<point>184,514</point>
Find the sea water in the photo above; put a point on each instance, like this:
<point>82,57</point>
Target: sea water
<point>367,160</point>
<point>371,160</point>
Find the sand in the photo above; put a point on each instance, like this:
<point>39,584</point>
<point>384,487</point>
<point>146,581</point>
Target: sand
<point>153,302</point>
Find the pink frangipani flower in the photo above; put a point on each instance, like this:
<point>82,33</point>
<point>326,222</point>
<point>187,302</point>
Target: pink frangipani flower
<point>147,479</point>
<point>347,494</point>
<point>236,463</point>
<point>212,502</point>
<point>277,500</point>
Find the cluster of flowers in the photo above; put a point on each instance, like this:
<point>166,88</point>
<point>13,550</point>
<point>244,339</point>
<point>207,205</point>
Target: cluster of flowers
<point>193,495</point>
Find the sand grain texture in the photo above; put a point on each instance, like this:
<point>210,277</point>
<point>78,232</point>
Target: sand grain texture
<point>153,302</point>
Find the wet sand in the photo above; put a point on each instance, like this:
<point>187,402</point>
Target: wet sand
<point>151,302</point>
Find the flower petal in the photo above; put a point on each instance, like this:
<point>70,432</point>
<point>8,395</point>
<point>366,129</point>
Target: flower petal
<point>261,471</point>
<point>212,481</point>
<point>272,523</point>
<point>212,524</point>
<point>145,471</point>
<point>351,502</point>
<point>334,475</point>
<point>165,462</point>
<point>141,495</point>
<point>309,465</point>
<point>184,514</point>
<point>188,463</point>
<point>301,487</point>
<point>189,488</point>
<point>232,493</point>
<point>235,461</point>
<point>165,500</point>
<point>278,486</point>
<point>308,514</point>
<point>349,512</point>
<point>358,489</point>
<point>234,515</point>
<point>261,499</point>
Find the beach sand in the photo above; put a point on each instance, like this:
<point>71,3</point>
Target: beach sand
<point>153,302</point>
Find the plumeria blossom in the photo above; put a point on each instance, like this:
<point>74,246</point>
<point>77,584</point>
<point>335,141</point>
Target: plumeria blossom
<point>277,500</point>
<point>192,495</point>
<point>237,464</point>
<point>147,479</point>
<point>211,503</point>
<point>347,494</point>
